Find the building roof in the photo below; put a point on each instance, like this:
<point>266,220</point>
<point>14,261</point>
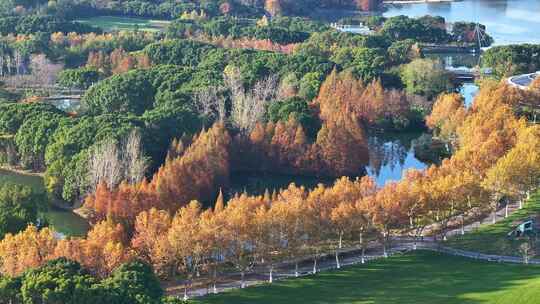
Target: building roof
<point>523,81</point>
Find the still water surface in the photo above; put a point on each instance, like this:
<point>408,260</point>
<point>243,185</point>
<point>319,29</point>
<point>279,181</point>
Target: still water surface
<point>507,21</point>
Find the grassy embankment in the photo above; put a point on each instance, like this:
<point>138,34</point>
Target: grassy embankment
<point>492,238</point>
<point>421,277</point>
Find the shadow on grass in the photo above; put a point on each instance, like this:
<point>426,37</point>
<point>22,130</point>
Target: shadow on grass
<point>421,277</point>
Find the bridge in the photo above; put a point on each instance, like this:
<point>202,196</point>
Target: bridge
<point>467,74</point>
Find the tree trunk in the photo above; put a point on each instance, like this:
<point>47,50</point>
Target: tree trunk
<point>186,292</point>
<point>463,225</point>
<point>242,282</point>
<point>385,254</point>
<point>362,247</point>
<point>215,280</point>
<point>506,210</point>
<point>271,277</point>
<point>338,265</point>
<point>494,218</point>
<point>520,203</point>
<point>315,265</point>
<point>340,240</point>
<point>363,255</point>
<point>296,274</point>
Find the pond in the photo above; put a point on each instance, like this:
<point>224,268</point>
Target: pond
<point>63,221</point>
<point>389,156</point>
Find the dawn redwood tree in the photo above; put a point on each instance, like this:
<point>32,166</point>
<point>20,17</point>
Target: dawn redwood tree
<point>187,247</point>
<point>289,209</point>
<point>239,231</point>
<point>268,238</point>
<point>386,212</point>
<point>447,115</point>
<point>149,239</point>
<point>27,249</point>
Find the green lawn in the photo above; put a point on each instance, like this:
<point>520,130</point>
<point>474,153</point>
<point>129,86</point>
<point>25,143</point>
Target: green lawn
<point>492,239</point>
<point>422,277</point>
<point>112,23</point>
<point>34,181</point>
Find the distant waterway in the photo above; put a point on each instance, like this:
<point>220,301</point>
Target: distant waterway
<point>507,21</point>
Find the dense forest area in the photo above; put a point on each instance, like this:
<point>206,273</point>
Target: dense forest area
<point>170,9</point>
<point>166,118</point>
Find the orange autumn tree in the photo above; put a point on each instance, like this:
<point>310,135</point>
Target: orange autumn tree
<point>288,207</point>
<point>518,171</point>
<point>199,173</point>
<point>187,246</point>
<point>341,142</point>
<point>196,174</point>
<point>239,232</point>
<point>447,115</point>
<point>273,7</point>
<point>149,239</point>
<point>385,211</point>
<point>102,251</point>
<point>27,249</point>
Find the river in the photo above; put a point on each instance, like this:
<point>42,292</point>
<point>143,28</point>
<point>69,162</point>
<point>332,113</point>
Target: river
<point>507,21</point>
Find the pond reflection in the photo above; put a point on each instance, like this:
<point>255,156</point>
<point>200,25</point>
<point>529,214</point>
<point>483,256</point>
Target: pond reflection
<point>390,155</point>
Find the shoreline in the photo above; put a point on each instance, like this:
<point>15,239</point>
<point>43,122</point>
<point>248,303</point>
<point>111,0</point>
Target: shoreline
<point>22,171</point>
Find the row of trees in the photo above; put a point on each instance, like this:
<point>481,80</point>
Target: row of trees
<point>512,60</point>
<point>47,24</point>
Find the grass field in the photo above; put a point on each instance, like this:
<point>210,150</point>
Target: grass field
<point>422,277</point>
<point>492,239</point>
<point>112,23</point>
